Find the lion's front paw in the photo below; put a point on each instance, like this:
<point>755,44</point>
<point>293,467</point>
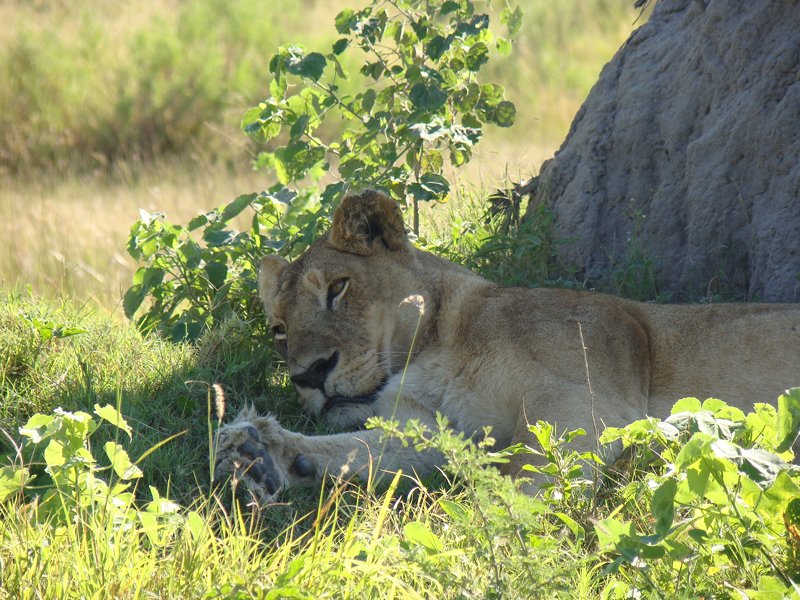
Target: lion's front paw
<point>252,452</point>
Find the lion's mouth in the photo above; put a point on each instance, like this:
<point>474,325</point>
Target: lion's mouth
<point>332,402</point>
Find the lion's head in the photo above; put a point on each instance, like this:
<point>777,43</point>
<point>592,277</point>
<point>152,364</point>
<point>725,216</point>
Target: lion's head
<point>344,314</point>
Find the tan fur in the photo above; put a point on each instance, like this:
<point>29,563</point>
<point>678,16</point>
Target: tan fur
<point>482,355</point>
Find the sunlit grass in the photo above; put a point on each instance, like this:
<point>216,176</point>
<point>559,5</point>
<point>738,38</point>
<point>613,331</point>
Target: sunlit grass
<point>345,541</point>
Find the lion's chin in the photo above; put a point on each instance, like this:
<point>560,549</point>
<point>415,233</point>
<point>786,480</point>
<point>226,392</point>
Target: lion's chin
<point>349,411</point>
<point>332,402</point>
<point>340,410</point>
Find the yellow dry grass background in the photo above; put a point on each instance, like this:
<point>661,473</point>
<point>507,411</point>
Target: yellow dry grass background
<point>65,234</point>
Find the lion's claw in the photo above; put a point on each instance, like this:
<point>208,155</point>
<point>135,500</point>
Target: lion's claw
<point>261,468</point>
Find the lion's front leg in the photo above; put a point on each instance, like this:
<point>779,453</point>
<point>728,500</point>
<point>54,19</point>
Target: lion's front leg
<point>256,452</point>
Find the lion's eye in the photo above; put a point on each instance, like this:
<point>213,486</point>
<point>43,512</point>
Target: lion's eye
<point>336,290</point>
<point>279,332</point>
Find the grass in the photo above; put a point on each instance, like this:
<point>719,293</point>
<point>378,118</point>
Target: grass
<point>468,533</point>
<point>162,390</point>
<point>66,237</point>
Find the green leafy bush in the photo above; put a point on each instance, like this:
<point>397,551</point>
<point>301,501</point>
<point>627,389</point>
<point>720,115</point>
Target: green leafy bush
<point>199,274</point>
<point>704,504</point>
<point>419,107</point>
<point>718,491</point>
<point>58,466</point>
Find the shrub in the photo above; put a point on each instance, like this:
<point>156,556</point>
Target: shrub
<point>721,496</point>
<point>420,107</point>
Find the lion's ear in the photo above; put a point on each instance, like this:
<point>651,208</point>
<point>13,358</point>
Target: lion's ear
<point>367,219</point>
<point>269,277</point>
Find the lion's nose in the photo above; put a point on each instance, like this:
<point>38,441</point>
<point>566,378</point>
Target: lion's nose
<point>315,375</point>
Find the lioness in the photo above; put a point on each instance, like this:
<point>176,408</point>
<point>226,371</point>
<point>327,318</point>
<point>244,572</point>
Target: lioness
<point>369,325</point>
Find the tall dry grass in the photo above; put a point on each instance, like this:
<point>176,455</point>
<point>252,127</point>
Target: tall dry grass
<point>67,236</point>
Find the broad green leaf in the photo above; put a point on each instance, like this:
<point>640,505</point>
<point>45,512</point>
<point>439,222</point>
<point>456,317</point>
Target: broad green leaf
<point>449,6</point>
<point>251,122</point>
<point>428,132</point>
<point>505,114</point>
<point>649,552</point>
<point>112,415</point>
<point>610,531</point>
<point>761,466</point>
<point>431,186</point>
<point>188,329</point>
<point>61,331</point>
<point>707,423</point>
<point>144,280</point>
<point>762,424</point>
<point>726,450</point>
<point>503,46</point>
<point>132,300</point>
<point>788,418</point>
<point>148,218</point>
<point>491,94</point>
<point>572,524</point>
<point>455,510</point>
<point>475,25</point>
<point>478,56</point>
<point>611,434</point>
<point>368,100</point>
<point>697,481</point>
<point>791,518</point>
<point>12,480</point>
<point>54,454</point>
<point>344,20</point>
<point>569,436</point>
<point>299,127</point>
<point>217,272</point>
<point>427,96</point>
<point>78,424</point>
<point>38,427</point>
<point>197,526</point>
<point>215,236</point>
<point>782,490</point>
<point>692,451</point>
<point>340,45</point>
<point>771,588</point>
<point>191,253</point>
<point>291,572</point>
<point>419,533</point>
<point>663,506</point>
<point>690,405</point>
<point>237,206</point>
<point>310,66</point>
<point>436,46</point>
<point>512,19</point>
<point>48,329</point>
<point>121,462</point>
<point>722,410</point>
